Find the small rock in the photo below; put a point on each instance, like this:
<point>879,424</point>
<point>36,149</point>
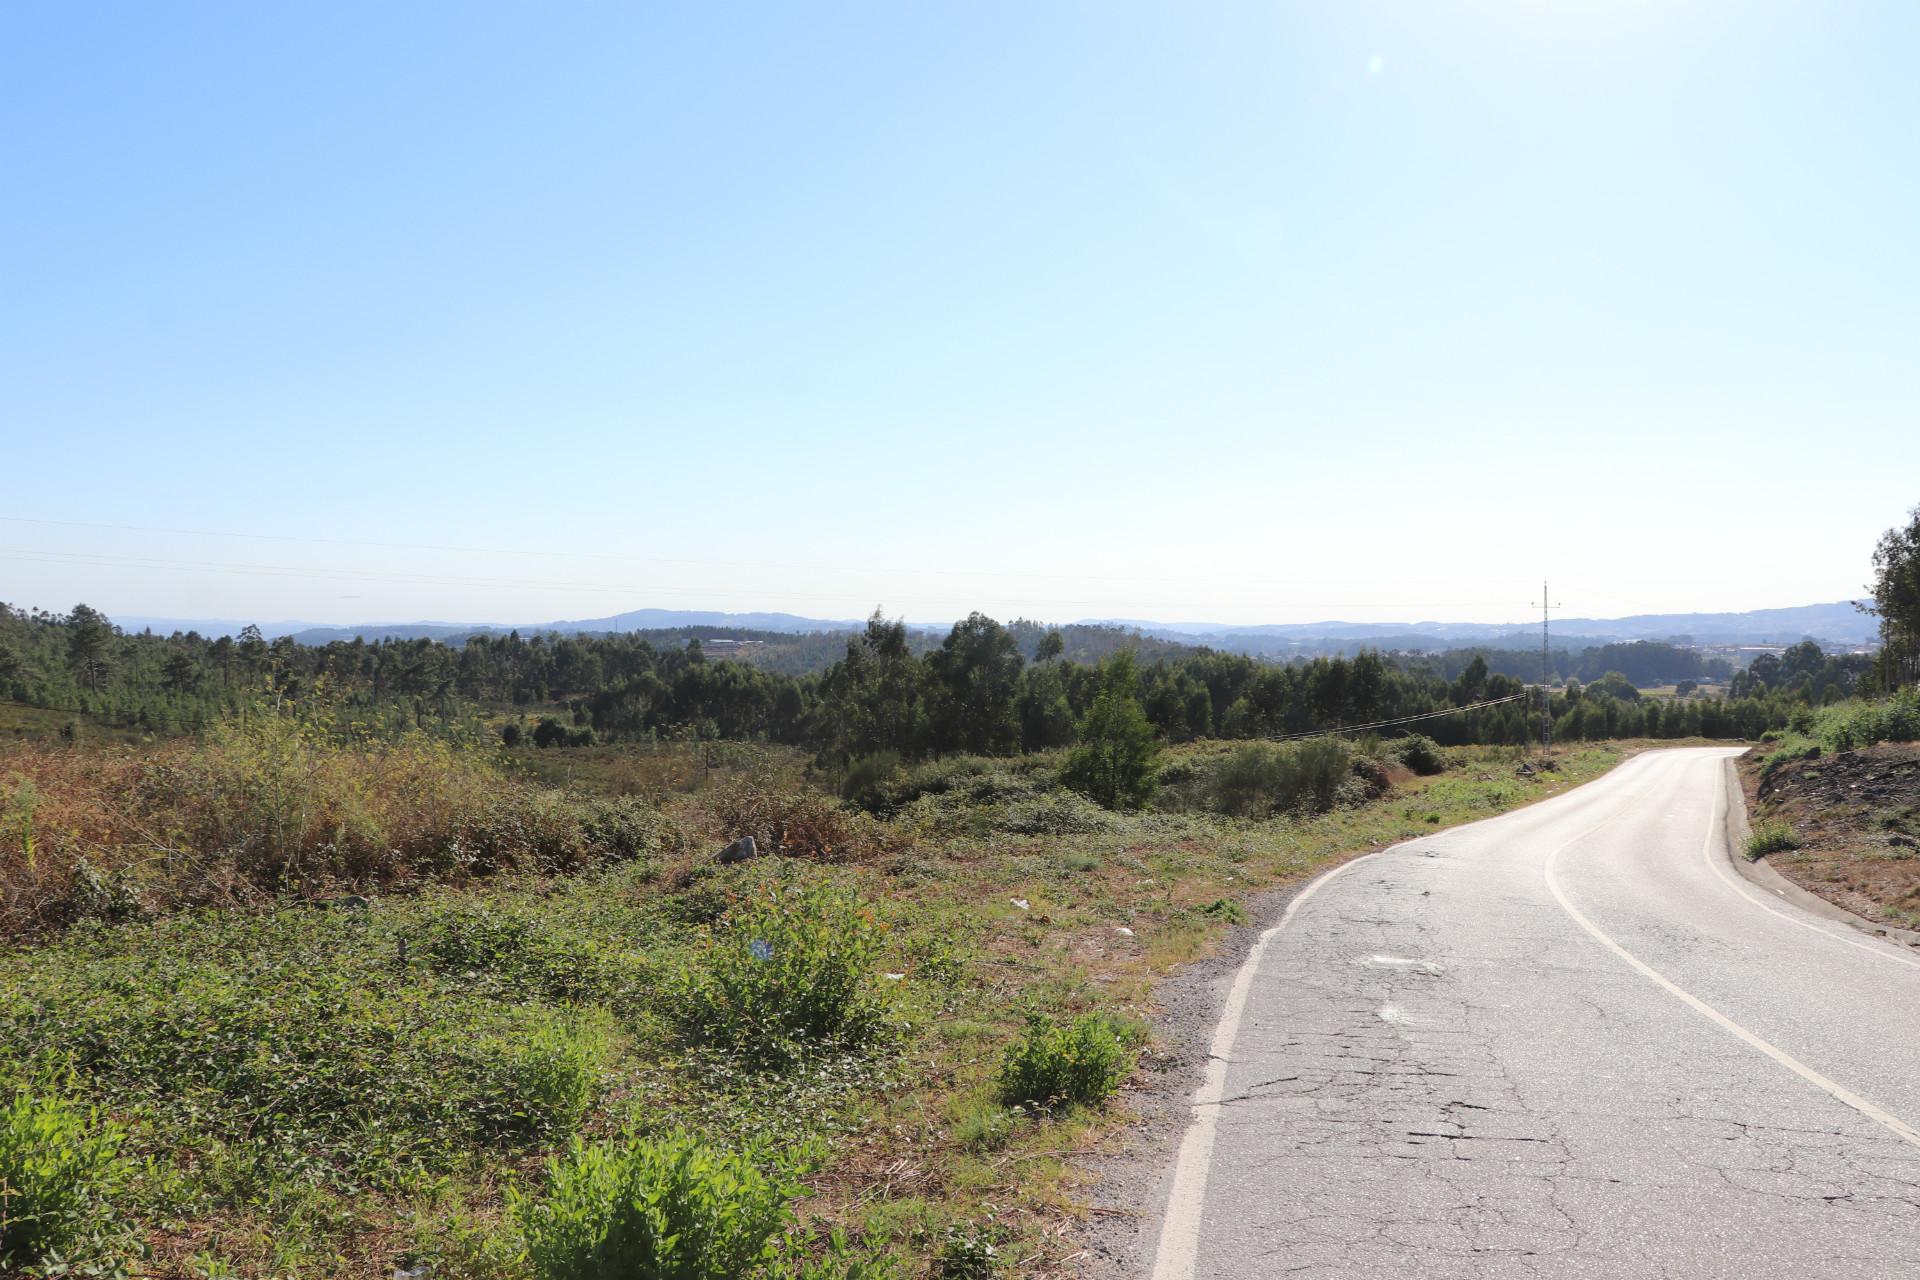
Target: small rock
<point>1123,931</point>
<point>740,850</point>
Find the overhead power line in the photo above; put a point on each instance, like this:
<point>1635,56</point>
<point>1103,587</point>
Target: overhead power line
<point>1387,724</point>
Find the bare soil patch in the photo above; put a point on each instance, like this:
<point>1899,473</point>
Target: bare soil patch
<point>1857,817</point>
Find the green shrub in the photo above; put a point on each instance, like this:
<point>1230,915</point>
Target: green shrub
<point>1418,753</point>
<point>867,782</point>
<point>58,1166</point>
<point>1079,1064</point>
<point>1771,837</point>
<point>792,968</point>
<point>1261,778</point>
<point>1225,909</point>
<point>669,1208</point>
<point>1055,813</point>
<point>1791,750</point>
<point>553,1075</point>
<point>966,1254</point>
<point>840,1260</point>
<point>1851,725</point>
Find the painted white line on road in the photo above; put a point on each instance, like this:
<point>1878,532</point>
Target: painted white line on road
<point>1882,949</point>
<point>1179,1247</point>
<point>1180,1230</point>
<point>1872,1111</point>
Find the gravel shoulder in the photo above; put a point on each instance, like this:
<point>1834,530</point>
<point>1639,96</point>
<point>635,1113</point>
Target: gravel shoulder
<point>1132,1171</point>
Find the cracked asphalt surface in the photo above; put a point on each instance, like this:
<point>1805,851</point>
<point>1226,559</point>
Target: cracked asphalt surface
<point>1441,1072</point>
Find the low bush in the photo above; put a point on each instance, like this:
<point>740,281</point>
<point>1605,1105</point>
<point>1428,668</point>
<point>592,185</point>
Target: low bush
<point>1851,725</point>
<point>1225,909</point>
<point>1051,1065</point>
<point>667,1208</point>
<point>1262,778</point>
<point>1055,813</point>
<point>967,1253</point>
<point>794,821</point>
<point>1419,753</point>
<point>790,969</point>
<point>1791,749</point>
<point>867,782</point>
<point>58,1167</point>
<point>973,780</point>
<point>552,1075</point>
<point>1771,837</point>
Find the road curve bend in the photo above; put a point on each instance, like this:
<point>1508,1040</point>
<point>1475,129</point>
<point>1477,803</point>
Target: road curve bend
<point>1566,1042</point>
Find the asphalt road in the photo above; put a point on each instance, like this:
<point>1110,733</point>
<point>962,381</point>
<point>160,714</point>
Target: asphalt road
<point>1567,1042</point>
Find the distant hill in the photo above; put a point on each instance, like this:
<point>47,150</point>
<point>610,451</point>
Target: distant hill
<point>1838,623</point>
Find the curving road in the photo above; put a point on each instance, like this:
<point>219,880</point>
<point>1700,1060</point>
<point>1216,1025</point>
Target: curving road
<point>1566,1042</point>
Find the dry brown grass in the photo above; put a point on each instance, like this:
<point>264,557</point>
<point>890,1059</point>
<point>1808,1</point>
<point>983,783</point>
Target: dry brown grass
<point>278,807</point>
<point>797,822</point>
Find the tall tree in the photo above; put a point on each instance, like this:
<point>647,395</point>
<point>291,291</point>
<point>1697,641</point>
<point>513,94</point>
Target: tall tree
<point>1896,601</point>
<point>88,635</point>
<point>975,673</point>
<point>1114,763</point>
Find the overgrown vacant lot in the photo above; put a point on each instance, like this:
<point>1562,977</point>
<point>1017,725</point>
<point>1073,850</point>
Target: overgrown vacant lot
<point>282,1006</point>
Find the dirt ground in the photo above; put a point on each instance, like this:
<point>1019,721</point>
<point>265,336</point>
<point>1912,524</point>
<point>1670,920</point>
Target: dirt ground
<point>1857,817</point>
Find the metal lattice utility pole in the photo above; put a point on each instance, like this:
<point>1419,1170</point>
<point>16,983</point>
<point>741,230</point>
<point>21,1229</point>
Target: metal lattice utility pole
<point>1546,675</point>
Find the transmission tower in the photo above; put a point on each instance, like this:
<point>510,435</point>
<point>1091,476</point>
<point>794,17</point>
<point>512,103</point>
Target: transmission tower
<point>1546,673</point>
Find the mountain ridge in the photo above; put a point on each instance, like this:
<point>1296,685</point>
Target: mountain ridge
<point>1836,622</point>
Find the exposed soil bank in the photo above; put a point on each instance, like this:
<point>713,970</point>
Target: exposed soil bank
<point>1856,815</point>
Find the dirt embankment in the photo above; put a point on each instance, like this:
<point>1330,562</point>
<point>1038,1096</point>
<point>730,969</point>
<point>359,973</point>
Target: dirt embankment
<point>1856,815</point>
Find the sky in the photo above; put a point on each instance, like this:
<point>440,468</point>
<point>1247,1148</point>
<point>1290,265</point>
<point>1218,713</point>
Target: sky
<point>1184,311</point>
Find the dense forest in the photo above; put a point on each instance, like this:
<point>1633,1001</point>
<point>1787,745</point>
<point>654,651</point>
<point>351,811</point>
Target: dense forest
<point>985,688</point>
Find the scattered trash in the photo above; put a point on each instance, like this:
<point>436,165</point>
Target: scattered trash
<point>893,977</point>
<point>760,949</point>
<point>1019,902</point>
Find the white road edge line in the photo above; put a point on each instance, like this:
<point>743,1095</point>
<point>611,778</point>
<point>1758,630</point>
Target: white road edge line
<point>1178,1252</point>
<point>1180,1228</point>
<point>1719,868</point>
<point>1900,1128</point>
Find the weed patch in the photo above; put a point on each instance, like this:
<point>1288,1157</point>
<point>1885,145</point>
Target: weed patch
<point>668,1208</point>
<point>1079,1064</point>
<point>59,1165</point>
<point>1771,837</point>
<point>790,970</point>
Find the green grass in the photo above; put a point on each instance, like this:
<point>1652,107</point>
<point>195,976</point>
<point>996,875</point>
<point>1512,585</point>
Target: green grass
<point>1771,837</point>
<point>307,1092</point>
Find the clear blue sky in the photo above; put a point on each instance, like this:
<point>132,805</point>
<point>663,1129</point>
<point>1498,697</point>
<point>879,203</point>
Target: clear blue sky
<point>1241,312</point>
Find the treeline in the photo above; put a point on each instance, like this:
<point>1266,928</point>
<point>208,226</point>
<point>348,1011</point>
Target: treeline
<point>986,688</point>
